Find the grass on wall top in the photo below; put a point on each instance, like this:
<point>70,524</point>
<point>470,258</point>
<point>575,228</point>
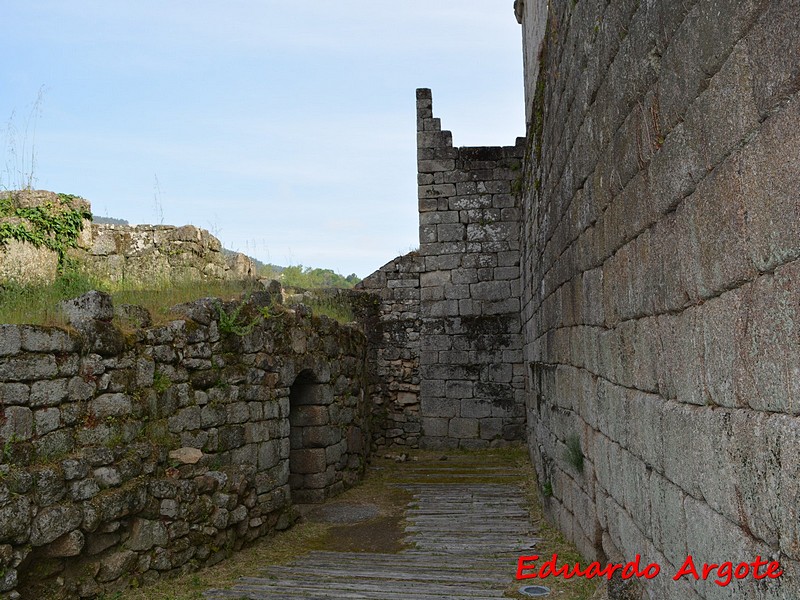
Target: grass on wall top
<point>38,304</point>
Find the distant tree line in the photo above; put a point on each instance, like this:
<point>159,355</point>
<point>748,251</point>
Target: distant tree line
<point>298,276</point>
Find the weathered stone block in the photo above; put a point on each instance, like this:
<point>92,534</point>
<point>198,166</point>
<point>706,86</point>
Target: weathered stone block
<point>444,308</point>
<point>435,278</point>
<point>83,489</point>
<point>116,565</point>
<point>69,544</point>
<point>434,139</point>
<point>30,367</point>
<point>434,166</point>
<point>459,389</point>
<point>145,534</point>
<point>435,191</point>
<point>309,415</point>
<point>46,339</point>
<point>463,428</point>
<point>14,393</point>
<point>490,290</point>
<point>92,305</point>
<point>186,419</point>
<point>490,428</point>
<point>450,232</point>
<point>308,461</point>
<point>320,437</point>
<point>10,339</point>
<point>438,407</point>
<point>47,420</point>
<point>53,522</point>
<point>475,409</point>
<point>111,405</point>
<point>434,426</point>
<point>471,202</point>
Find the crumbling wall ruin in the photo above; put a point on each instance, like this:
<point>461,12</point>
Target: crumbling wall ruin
<point>159,254</point>
<point>154,255</point>
<point>129,453</point>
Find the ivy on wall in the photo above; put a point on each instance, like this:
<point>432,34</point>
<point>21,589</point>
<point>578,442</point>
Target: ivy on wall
<point>55,226</point>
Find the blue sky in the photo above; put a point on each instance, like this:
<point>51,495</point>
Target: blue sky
<point>286,128</point>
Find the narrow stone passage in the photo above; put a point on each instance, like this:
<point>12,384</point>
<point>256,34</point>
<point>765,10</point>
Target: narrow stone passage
<point>465,527</point>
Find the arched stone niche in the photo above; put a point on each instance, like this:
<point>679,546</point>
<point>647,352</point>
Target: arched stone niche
<point>316,439</point>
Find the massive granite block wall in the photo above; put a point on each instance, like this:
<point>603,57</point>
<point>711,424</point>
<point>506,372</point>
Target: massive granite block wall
<point>129,453</point>
<point>452,347</point>
<point>661,283</point>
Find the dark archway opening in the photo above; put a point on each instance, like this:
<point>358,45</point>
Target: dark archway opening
<point>312,468</point>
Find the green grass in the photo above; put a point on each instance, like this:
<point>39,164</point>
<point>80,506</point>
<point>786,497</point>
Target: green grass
<point>159,299</point>
<point>38,304</point>
<point>574,454</point>
<point>335,308</point>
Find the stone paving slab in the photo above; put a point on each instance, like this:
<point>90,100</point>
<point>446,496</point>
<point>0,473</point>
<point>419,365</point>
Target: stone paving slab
<point>464,539</point>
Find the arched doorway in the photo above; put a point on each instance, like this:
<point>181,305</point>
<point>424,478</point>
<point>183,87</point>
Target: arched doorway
<point>311,473</point>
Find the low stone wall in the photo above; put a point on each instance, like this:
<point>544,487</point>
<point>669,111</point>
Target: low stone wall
<point>128,454</point>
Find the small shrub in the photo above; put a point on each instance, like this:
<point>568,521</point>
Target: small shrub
<point>574,454</point>
<point>161,383</point>
<point>232,323</point>
<point>547,489</point>
<point>298,276</point>
<point>52,226</point>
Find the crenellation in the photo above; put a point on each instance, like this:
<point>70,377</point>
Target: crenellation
<point>465,398</point>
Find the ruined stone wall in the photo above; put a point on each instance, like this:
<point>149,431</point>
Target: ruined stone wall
<point>149,254</point>
<point>34,226</point>
<point>129,453</point>
<point>661,284</point>
<point>158,254</point>
<point>396,351</point>
<point>452,346</point>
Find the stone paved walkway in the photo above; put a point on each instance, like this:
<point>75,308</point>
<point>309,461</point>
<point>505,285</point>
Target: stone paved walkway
<point>464,534</point>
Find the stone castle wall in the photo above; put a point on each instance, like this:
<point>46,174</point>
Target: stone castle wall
<point>661,283</point>
<point>396,344</point>
<point>129,453</point>
<point>452,345</point>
